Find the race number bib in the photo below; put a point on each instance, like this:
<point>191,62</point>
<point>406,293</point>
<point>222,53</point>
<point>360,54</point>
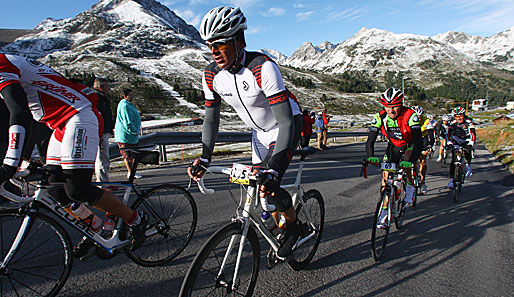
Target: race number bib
<point>388,166</point>
<point>240,174</point>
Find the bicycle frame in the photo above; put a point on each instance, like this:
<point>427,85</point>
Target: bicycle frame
<point>42,199</point>
<point>248,214</point>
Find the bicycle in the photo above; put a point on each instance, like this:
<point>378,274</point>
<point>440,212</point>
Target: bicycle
<point>36,250</point>
<point>394,193</point>
<point>460,171</point>
<point>228,263</point>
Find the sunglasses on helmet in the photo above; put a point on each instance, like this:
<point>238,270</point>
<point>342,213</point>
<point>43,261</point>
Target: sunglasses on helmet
<point>220,44</point>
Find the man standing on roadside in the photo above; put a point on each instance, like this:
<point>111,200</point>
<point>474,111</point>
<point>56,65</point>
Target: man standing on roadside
<point>320,126</point>
<point>326,119</point>
<point>102,162</point>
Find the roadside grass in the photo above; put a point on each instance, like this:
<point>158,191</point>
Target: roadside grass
<point>499,140</point>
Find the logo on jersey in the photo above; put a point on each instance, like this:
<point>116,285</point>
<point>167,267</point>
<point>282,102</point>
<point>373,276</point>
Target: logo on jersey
<point>374,121</point>
<point>245,86</point>
<point>78,144</point>
<point>415,118</point>
<point>34,63</point>
<point>225,94</point>
<point>14,142</point>
<point>58,90</point>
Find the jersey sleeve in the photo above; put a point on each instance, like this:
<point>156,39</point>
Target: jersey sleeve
<point>272,84</point>
<point>8,72</point>
<point>212,99</point>
<point>376,123</point>
<point>414,120</point>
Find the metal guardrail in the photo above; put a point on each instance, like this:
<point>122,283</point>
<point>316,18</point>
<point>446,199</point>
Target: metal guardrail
<point>169,138</point>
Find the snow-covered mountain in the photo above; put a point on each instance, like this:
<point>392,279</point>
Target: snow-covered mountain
<point>496,50</point>
<point>375,50</point>
<point>275,55</point>
<point>118,39</point>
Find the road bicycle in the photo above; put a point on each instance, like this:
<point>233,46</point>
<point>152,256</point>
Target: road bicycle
<point>459,161</point>
<point>36,250</point>
<point>228,263</point>
<point>394,194</point>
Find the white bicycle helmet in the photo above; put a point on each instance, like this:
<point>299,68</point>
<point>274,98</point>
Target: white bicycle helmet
<point>418,109</point>
<point>222,21</point>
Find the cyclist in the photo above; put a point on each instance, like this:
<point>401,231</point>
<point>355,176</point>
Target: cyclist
<point>28,86</point>
<point>400,125</point>
<point>252,84</point>
<point>441,128</point>
<point>427,132</point>
<point>462,132</point>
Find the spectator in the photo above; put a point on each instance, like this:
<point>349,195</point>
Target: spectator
<point>127,128</point>
<point>326,120</point>
<point>102,163</point>
<point>308,120</point>
<point>320,126</point>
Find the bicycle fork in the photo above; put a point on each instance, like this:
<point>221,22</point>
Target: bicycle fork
<point>18,241</point>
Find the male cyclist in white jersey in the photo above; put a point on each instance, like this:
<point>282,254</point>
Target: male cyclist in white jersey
<point>252,84</point>
<point>29,89</point>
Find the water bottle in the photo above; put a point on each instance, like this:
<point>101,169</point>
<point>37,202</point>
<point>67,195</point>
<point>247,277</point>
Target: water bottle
<point>87,216</point>
<point>268,220</point>
<point>109,221</point>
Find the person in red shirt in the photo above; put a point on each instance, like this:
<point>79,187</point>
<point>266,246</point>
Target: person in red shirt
<point>308,121</point>
<point>326,119</point>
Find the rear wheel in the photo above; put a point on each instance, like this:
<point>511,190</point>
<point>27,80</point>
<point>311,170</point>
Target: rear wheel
<point>315,207</point>
<point>206,275</point>
<point>172,221</point>
<point>379,235</point>
<point>42,263</point>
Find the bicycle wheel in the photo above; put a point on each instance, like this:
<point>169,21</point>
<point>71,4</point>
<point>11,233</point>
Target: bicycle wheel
<point>400,210</point>
<point>315,207</point>
<point>42,263</point>
<point>172,222</point>
<point>456,183</point>
<point>379,235</point>
<point>206,275</point>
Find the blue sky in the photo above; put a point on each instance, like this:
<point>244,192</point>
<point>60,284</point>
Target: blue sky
<point>284,25</point>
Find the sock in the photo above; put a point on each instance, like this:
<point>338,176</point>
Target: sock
<point>134,219</point>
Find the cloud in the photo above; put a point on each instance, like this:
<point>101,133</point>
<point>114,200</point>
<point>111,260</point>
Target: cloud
<point>303,16</point>
<point>257,30</point>
<point>274,11</point>
<point>298,5</point>
<point>478,16</point>
<point>189,16</point>
<point>349,14</point>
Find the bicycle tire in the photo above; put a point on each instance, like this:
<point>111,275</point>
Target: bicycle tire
<point>379,236</point>
<point>202,278</point>
<point>400,209</point>
<point>173,216</point>
<point>414,199</point>
<point>42,264</point>
<point>456,183</point>
<point>315,206</point>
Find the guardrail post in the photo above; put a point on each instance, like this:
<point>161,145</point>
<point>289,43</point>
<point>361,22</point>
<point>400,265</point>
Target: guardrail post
<point>162,151</point>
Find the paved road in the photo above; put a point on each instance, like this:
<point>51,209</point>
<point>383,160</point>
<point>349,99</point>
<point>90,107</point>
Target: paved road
<point>445,249</point>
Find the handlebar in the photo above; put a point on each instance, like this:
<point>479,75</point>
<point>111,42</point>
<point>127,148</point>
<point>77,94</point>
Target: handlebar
<point>227,171</point>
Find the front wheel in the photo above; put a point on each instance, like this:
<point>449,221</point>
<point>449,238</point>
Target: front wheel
<point>456,183</point>
<point>42,263</point>
<point>379,234</point>
<point>312,229</point>
<point>207,276</point>
<point>172,222</point>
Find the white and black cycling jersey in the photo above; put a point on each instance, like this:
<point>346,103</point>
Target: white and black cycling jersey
<point>251,91</point>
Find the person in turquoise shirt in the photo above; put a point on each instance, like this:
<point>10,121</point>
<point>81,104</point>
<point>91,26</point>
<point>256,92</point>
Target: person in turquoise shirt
<point>127,128</point>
